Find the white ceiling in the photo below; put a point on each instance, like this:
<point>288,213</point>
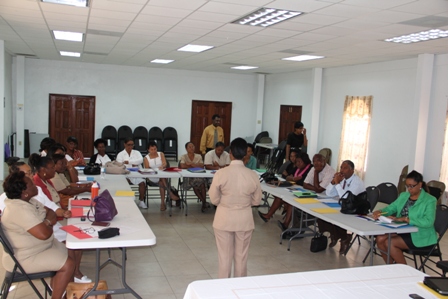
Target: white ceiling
<point>134,32</point>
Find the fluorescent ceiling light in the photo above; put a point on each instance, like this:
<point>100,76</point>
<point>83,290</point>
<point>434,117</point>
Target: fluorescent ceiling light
<point>265,17</point>
<point>244,67</point>
<point>67,35</point>
<point>195,48</point>
<point>419,37</point>
<point>71,54</point>
<point>303,57</point>
<point>80,3</point>
<point>163,61</point>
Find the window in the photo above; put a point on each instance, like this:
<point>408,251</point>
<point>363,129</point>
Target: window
<point>355,132</point>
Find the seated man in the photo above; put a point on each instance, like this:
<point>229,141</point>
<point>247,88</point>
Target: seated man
<point>343,181</point>
<point>217,158</point>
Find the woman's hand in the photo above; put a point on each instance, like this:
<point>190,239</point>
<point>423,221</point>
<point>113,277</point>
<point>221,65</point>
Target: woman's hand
<point>67,214</point>
<point>51,216</point>
<point>377,214</point>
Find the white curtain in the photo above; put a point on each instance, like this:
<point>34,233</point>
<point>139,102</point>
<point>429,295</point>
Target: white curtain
<point>355,132</point>
<point>444,166</point>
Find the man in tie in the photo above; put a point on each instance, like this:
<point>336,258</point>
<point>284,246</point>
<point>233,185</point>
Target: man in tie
<point>343,181</point>
<point>212,134</point>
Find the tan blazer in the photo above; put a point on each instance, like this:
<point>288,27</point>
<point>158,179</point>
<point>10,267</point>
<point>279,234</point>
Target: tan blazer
<point>235,189</point>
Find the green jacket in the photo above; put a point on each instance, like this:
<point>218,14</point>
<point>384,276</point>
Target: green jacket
<point>422,214</point>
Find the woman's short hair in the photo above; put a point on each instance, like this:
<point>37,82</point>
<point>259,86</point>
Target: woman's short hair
<point>14,184</point>
<point>152,143</point>
<point>127,139</point>
<point>298,125</point>
<point>416,176</point>
<point>57,157</point>
<point>304,157</point>
<point>97,142</point>
<point>238,148</point>
<point>72,139</point>
<point>46,143</point>
<point>36,162</point>
<point>186,144</point>
<point>55,148</point>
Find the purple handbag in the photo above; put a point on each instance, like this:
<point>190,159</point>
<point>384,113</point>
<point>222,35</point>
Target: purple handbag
<point>103,207</point>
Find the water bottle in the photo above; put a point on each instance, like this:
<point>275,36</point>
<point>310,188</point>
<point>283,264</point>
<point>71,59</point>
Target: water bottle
<point>103,173</point>
<point>94,190</point>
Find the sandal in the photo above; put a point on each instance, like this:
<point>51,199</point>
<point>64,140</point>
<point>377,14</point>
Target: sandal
<point>163,208</point>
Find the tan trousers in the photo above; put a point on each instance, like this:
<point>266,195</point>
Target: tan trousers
<point>232,247</point>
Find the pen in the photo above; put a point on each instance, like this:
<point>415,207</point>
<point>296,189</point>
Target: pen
<point>383,213</point>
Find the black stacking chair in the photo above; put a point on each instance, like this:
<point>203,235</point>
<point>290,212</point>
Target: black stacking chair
<point>156,135</point>
<point>441,225</point>
<point>141,140</point>
<point>170,142</point>
<point>109,134</point>
<point>123,133</point>
<point>388,193</point>
<point>18,274</point>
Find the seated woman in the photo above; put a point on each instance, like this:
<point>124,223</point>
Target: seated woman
<point>64,188</point>
<point>45,145</point>
<point>43,167</point>
<point>303,166</point>
<point>73,154</point>
<point>28,225</point>
<point>249,160</point>
<point>156,160</point>
<point>100,157</point>
<point>71,172</point>
<point>416,207</point>
<point>189,160</point>
<point>133,158</point>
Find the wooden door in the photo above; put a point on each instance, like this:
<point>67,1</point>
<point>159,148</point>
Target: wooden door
<point>73,115</point>
<point>288,116</point>
<point>201,117</point>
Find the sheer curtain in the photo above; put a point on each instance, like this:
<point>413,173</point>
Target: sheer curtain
<point>355,132</point>
<point>444,167</point>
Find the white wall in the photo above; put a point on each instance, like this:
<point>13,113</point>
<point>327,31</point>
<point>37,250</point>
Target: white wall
<point>138,96</point>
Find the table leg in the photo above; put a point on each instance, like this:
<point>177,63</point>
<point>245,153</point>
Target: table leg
<point>168,197</point>
<point>388,248</point>
<point>372,243</point>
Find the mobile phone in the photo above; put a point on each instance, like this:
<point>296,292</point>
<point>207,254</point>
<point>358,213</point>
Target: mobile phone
<point>415,296</point>
<point>100,223</point>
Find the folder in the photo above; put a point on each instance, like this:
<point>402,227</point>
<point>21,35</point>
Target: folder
<point>306,200</point>
<point>325,210</point>
<point>76,231</point>
<point>125,193</point>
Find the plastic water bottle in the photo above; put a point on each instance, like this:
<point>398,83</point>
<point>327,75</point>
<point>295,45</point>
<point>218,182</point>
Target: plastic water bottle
<point>94,190</point>
<point>103,172</point>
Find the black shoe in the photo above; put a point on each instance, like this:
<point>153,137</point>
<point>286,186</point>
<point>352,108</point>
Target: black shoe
<point>262,217</point>
<point>281,225</point>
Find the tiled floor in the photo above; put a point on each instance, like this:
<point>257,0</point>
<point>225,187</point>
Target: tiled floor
<point>186,252</point>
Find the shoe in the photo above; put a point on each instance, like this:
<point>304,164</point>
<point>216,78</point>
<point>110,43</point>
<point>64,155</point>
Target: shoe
<point>345,243</point>
<point>142,205</point>
<point>163,208</point>
<point>281,225</point>
<point>333,242</point>
<point>262,216</point>
<point>83,279</point>
<point>204,209</point>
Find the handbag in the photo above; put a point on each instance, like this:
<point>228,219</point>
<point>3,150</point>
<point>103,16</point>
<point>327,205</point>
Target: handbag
<point>78,290</point>
<point>114,167</point>
<point>92,169</point>
<point>354,204</point>
<point>102,207</point>
<point>318,243</point>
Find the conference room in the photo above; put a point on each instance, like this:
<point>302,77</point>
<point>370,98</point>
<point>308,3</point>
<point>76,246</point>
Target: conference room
<point>407,83</point>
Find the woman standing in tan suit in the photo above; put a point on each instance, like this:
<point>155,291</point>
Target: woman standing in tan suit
<point>234,190</point>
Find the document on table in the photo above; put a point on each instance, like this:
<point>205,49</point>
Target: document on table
<point>124,193</point>
<point>306,200</point>
<point>384,221</point>
<point>325,210</point>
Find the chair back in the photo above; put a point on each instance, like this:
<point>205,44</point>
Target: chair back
<point>440,192</point>
<point>388,193</point>
<point>123,133</point>
<point>373,195</point>
<point>156,135</point>
<point>326,152</point>
<point>265,140</point>
<point>401,187</point>
<point>283,167</point>
<point>441,222</point>
<point>5,243</point>
<point>260,135</point>
<point>141,140</point>
<point>109,134</point>
<point>282,145</point>
<point>170,142</point>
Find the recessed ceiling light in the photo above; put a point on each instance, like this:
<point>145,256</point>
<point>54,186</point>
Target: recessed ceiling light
<point>80,3</point>
<point>303,57</point>
<point>67,35</point>
<point>163,61</point>
<point>71,54</point>
<point>244,67</point>
<point>195,48</point>
<point>265,17</point>
<point>419,37</point>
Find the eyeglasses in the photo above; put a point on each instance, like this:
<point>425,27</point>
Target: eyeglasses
<point>89,230</point>
<point>411,186</point>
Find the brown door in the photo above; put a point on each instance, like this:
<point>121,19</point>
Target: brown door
<point>72,115</point>
<point>201,116</point>
<point>288,116</point>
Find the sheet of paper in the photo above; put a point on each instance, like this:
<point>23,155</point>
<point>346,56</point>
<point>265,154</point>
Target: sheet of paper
<point>124,193</point>
<point>306,200</point>
<point>325,210</point>
<point>80,203</point>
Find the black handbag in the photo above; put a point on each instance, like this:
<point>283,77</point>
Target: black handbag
<point>318,243</point>
<point>92,169</point>
<point>354,204</point>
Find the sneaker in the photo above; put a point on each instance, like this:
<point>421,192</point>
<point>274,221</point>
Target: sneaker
<point>142,205</point>
<point>83,279</point>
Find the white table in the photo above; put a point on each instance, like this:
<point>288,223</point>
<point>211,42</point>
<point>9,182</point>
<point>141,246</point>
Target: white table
<point>386,281</point>
<point>348,222</point>
<point>134,232</point>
